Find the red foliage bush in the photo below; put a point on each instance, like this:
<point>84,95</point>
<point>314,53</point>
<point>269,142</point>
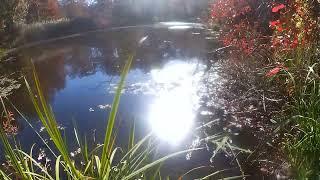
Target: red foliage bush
<point>290,24</point>
<point>227,10</point>
<point>240,24</point>
<point>295,27</point>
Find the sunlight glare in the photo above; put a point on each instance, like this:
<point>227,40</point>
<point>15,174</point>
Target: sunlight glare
<point>172,113</point>
<point>179,27</point>
<point>175,25</point>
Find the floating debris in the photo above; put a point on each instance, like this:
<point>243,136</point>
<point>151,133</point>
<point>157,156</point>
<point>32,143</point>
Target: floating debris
<point>76,152</point>
<point>61,127</point>
<point>106,106</point>
<point>91,109</point>
<point>72,154</point>
<point>42,129</point>
<point>41,155</point>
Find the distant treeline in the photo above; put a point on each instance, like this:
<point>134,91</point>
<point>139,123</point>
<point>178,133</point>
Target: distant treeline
<point>32,20</point>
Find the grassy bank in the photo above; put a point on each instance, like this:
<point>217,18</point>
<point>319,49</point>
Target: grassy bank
<point>302,115</point>
<point>288,34</point>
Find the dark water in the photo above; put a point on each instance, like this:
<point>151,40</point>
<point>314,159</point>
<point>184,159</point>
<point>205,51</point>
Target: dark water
<point>167,90</point>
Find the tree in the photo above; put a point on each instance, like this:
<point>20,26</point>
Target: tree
<point>12,11</point>
<point>40,10</point>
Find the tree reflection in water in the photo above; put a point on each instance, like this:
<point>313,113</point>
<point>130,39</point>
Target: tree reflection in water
<point>102,55</point>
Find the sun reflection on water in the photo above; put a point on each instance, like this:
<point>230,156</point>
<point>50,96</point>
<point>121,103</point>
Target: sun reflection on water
<point>172,113</point>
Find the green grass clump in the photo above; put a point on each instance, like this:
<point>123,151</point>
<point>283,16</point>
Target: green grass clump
<point>302,142</point>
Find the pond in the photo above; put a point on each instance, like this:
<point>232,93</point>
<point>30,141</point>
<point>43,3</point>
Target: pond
<point>166,91</point>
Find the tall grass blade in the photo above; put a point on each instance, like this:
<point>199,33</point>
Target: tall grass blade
<point>4,176</point>
<point>36,164</point>
<point>233,177</point>
<point>136,147</point>
<point>57,168</point>
<point>112,118</point>
<point>131,136</point>
<point>47,118</point>
<point>154,163</point>
<point>37,176</point>
<point>212,174</point>
<point>31,155</point>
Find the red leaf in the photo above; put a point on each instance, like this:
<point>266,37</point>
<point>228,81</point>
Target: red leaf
<point>280,29</point>
<point>276,70</point>
<point>273,72</point>
<point>274,23</point>
<point>295,43</point>
<point>277,8</point>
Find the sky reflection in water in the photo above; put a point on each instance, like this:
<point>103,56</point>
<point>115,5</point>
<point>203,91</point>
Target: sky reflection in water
<point>172,113</point>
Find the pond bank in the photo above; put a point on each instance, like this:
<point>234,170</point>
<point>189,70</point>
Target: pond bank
<point>243,102</point>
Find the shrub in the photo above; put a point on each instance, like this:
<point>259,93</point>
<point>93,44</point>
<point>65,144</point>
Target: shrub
<point>243,23</point>
<point>291,37</point>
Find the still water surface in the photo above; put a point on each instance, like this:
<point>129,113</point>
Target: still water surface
<point>79,77</point>
<point>170,89</point>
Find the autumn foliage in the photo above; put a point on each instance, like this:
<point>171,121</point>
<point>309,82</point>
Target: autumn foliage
<point>40,10</point>
<point>296,25</point>
<point>241,26</point>
<point>249,25</point>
